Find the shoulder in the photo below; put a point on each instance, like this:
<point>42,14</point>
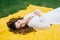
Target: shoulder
<point>33,20</point>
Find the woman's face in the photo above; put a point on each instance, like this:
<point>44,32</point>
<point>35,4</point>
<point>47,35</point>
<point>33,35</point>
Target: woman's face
<point>20,24</point>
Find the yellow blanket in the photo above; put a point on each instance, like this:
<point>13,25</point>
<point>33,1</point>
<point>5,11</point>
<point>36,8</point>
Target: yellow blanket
<point>48,34</point>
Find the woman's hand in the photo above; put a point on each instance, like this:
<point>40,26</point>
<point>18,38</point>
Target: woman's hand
<point>37,12</point>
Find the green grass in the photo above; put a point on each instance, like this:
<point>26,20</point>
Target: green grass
<point>8,7</point>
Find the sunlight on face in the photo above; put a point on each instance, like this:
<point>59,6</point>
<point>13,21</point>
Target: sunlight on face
<point>19,24</point>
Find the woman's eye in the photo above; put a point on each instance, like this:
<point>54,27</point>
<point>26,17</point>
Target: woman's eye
<point>18,22</point>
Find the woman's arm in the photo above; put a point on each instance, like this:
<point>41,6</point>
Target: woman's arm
<point>32,14</point>
<point>39,23</point>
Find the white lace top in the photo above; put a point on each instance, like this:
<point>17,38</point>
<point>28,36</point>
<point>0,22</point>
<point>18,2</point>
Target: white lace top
<point>44,21</point>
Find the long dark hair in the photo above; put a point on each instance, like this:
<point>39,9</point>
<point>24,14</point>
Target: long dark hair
<point>24,30</point>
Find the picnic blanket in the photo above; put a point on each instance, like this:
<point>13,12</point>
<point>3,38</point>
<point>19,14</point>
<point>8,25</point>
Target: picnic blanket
<point>53,33</point>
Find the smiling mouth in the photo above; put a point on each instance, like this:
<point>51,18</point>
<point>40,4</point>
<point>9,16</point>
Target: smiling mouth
<point>21,26</point>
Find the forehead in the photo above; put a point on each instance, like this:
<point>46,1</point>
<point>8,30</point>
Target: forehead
<point>18,20</point>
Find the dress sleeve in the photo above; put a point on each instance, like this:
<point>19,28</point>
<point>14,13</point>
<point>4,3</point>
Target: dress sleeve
<point>38,23</point>
<point>32,14</point>
<point>29,15</point>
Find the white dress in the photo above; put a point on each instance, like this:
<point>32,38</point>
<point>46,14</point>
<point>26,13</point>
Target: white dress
<point>44,21</point>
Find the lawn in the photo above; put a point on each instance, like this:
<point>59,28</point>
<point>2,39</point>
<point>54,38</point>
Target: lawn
<point>8,7</point>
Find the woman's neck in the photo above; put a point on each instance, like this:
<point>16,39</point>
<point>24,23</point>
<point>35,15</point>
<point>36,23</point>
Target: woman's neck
<point>27,20</point>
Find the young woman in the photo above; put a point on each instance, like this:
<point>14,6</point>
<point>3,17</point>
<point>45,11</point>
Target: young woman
<point>35,20</point>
